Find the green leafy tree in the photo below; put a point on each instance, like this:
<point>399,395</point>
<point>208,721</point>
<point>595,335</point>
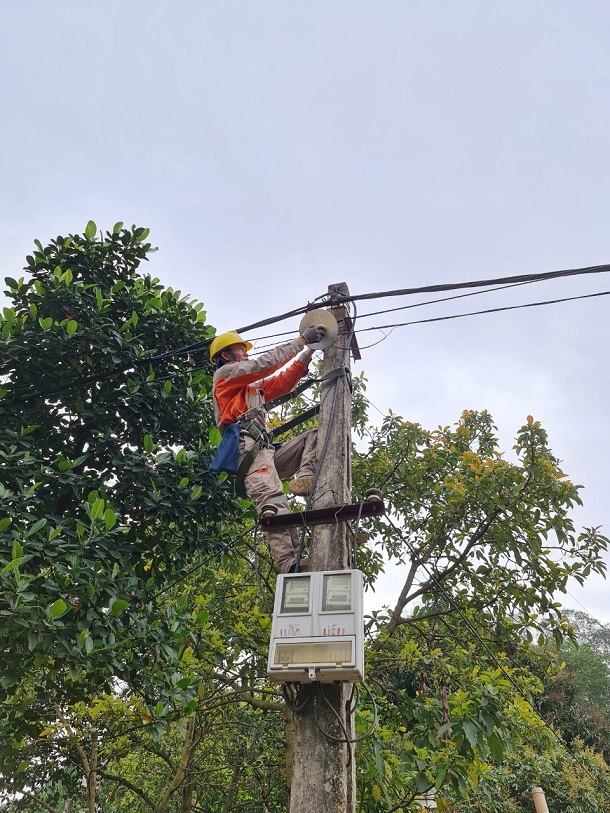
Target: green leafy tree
<point>592,632</point>
<point>163,704</point>
<point>563,748</point>
<point>576,781</point>
<point>223,752</point>
<point>105,493</point>
<point>473,530</point>
<point>485,546</point>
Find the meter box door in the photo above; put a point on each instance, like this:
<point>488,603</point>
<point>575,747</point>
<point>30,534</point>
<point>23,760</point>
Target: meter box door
<point>318,628</point>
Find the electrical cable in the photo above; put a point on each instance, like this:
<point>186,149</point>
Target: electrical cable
<point>259,580</point>
<point>449,298</point>
<point>342,725</point>
<point>77,382</point>
<point>352,704</point>
<point>199,345</point>
<point>488,310</point>
<point>220,552</point>
<point>149,360</point>
<point>346,738</point>
<point>318,469</point>
<point>355,532</point>
<point>374,344</point>
<point>482,283</point>
<point>320,687</point>
<point>402,307</point>
<point>305,688</point>
<point>370,403</point>
<point>209,558</point>
<point>392,327</point>
<point>322,303</point>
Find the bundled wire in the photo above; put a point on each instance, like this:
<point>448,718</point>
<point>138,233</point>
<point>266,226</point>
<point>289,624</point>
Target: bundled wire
<point>298,696</point>
<point>488,310</point>
<point>323,302</point>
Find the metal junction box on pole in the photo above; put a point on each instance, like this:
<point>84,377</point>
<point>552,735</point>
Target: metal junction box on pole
<point>318,628</point>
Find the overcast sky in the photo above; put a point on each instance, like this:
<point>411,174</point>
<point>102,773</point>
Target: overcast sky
<point>276,147</point>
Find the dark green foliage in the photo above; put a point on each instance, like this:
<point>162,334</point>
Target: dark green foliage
<point>105,493</point>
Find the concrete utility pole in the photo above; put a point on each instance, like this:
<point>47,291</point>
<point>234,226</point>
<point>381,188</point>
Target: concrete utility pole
<point>324,778</point>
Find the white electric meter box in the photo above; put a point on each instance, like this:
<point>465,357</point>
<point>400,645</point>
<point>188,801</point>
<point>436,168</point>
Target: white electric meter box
<point>318,628</point>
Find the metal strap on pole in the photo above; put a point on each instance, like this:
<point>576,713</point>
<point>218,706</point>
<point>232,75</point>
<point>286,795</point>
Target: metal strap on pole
<point>312,411</point>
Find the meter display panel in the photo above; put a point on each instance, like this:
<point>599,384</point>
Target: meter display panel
<point>296,595</point>
<point>337,593</point>
<point>317,630</point>
<point>303,653</point>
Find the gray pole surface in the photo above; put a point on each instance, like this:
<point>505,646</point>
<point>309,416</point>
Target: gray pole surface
<point>539,800</point>
<point>323,779</point>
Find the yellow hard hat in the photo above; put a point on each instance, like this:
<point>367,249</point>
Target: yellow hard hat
<point>225,340</point>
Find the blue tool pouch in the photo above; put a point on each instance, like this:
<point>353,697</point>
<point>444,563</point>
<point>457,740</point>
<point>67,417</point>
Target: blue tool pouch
<point>227,454</point>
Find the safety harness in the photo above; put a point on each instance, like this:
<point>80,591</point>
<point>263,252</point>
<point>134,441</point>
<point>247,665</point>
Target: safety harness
<point>262,437</point>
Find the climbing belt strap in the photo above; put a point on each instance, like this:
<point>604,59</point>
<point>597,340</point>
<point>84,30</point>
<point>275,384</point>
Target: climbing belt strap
<point>307,383</point>
<point>260,437</point>
<point>299,419</point>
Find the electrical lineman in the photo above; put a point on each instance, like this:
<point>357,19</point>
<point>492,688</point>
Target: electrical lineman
<point>242,387</point>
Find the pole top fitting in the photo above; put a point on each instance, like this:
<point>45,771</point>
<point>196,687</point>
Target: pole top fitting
<point>337,290</point>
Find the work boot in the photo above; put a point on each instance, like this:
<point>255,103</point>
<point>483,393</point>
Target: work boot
<point>301,486</point>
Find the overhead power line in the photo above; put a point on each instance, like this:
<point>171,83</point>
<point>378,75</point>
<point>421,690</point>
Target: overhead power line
<point>407,307</point>
<point>448,298</point>
<point>488,310</point>
<point>481,283</point>
<point>391,327</point>
<point>323,302</point>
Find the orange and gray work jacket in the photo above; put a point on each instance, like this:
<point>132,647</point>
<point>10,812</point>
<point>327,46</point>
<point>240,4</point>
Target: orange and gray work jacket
<point>242,387</point>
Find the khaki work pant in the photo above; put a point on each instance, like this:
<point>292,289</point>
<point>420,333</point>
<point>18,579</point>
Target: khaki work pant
<point>263,484</point>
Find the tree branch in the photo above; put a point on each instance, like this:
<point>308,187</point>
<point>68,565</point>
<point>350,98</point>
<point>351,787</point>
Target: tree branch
<point>120,780</point>
<point>247,697</point>
<point>404,598</point>
<point>227,806</point>
<point>38,801</point>
<point>185,756</point>
<point>79,748</point>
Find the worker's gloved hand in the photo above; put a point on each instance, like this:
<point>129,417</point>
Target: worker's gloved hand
<point>314,334</point>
